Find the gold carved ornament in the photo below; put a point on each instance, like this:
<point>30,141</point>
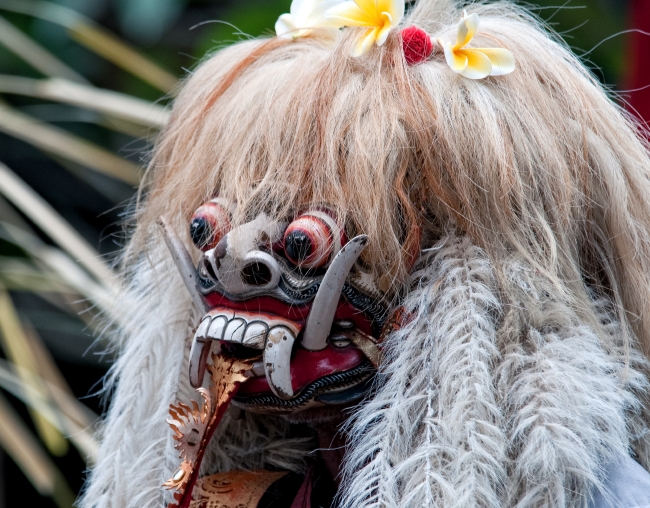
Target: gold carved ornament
<point>193,426</point>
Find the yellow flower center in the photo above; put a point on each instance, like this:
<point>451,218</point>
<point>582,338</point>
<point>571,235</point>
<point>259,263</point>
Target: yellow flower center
<point>385,19</point>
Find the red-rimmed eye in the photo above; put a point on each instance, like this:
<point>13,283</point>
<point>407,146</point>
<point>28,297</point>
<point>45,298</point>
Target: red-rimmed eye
<point>209,224</point>
<point>311,239</point>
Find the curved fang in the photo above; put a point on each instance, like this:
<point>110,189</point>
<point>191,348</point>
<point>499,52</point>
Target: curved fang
<point>199,353</point>
<point>184,264</point>
<point>277,361</point>
<point>198,360</point>
<point>321,317</point>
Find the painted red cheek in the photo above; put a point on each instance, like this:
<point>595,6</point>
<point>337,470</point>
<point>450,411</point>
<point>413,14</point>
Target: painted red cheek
<point>308,242</point>
<point>308,366</point>
<point>209,224</point>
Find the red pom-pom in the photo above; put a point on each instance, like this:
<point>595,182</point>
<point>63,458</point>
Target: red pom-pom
<point>417,45</point>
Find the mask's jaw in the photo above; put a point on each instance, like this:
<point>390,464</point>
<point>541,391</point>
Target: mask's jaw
<point>264,334</point>
<point>273,335</point>
<point>257,333</point>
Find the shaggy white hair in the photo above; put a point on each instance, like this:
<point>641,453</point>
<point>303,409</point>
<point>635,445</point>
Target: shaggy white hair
<point>461,414</point>
<point>461,417</point>
<point>520,377</point>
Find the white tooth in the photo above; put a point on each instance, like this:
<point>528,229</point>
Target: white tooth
<point>198,358</point>
<point>202,329</point>
<point>255,335</point>
<point>339,340</point>
<point>235,330</point>
<point>217,327</point>
<point>277,361</point>
<point>222,311</point>
<point>258,368</point>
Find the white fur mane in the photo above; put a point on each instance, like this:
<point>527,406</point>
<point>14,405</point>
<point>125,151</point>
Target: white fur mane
<point>461,415</point>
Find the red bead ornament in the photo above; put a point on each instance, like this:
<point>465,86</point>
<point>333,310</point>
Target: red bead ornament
<point>417,45</point>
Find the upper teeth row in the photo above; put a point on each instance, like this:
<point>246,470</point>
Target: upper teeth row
<point>240,327</point>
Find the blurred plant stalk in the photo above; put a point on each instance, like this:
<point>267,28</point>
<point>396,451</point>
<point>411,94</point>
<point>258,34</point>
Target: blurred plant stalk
<point>64,269</point>
<point>25,450</point>
<point>59,142</point>
<point>97,39</point>
<point>50,222</point>
<point>111,103</point>
<point>16,348</point>
<point>34,54</point>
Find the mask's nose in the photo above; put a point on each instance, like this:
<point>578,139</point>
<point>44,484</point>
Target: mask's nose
<point>254,271</point>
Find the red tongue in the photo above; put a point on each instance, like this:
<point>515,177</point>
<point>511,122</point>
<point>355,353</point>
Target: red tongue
<point>194,427</point>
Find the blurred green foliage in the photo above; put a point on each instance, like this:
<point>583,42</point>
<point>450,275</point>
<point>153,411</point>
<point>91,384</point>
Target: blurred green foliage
<point>177,33</point>
<point>584,25</point>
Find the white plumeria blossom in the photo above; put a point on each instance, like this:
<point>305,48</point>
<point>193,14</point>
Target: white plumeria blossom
<point>379,16</point>
<point>475,63</point>
<point>303,17</point>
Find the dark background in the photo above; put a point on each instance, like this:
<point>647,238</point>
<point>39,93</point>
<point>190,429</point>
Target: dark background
<point>175,34</point>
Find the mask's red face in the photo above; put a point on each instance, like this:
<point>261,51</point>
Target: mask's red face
<point>288,295</point>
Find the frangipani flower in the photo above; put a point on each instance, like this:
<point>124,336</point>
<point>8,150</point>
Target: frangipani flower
<point>304,16</point>
<point>475,63</point>
<point>380,16</point>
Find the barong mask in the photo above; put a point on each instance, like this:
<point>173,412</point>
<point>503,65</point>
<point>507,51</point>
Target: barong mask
<point>290,324</point>
<point>286,295</point>
<point>393,234</point>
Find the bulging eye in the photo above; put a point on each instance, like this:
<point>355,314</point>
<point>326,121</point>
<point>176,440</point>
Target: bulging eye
<point>311,240</point>
<point>209,224</point>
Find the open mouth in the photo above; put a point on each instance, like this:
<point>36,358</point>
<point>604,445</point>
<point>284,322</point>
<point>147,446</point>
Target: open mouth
<point>251,334</point>
<point>284,375</point>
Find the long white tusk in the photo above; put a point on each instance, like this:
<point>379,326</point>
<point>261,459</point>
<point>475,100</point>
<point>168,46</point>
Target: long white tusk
<point>198,359</point>
<point>319,321</point>
<point>277,361</point>
<point>184,264</point>
<point>199,353</point>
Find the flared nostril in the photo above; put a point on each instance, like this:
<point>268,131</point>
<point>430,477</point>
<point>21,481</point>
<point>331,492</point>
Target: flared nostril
<point>209,269</point>
<point>256,271</point>
<point>256,274</point>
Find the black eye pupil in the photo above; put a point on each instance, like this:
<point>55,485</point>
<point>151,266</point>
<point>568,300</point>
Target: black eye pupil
<point>298,245</point>
<point>200,231</point>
